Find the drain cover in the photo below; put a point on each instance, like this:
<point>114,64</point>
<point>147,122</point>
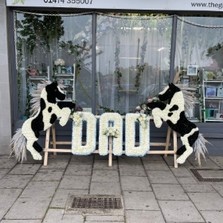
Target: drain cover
<point>97,202</point>
<point>208,175</point>
<point>94,203</point>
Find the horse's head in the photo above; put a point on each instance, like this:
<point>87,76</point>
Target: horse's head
<point>168,92</point>
<point>53,92</point>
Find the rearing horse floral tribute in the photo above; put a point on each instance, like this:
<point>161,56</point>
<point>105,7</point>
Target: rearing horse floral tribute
<point>169,107</point>
<point>48,112</point>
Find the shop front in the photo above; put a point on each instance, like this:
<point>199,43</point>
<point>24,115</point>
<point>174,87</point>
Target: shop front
<point>113,56</point>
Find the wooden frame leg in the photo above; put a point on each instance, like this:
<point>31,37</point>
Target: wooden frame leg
<point>167,139</point>
<point>54,137</point>
<point>175,149</point>
<point>47,142</point>
<point>109,151</point>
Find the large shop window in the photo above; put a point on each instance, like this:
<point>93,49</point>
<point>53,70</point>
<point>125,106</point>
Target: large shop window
<point>133,59</point>
<point>114,62</point>
<point>54,48</point>
<point>199,65</point>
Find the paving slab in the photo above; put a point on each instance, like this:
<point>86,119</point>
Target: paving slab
<point>61,196</point>
<point>140,200</point>
<point>103,165</point>
<point>181,172</point>
<point>82,159</point>
<point>218,160</point>
<point>152,158</point>
<point>7,199</point>
<point>102,219</point>
<point>159,176</point>
<point>127,160</point>
<point>132,170</point>
<point>111,176</point>
<point>198,188</point>
<point>25,169</point>
<point>218,187</point>
<point>15,181</point>
<point>58,216</point>
<point>79,170</point>
<point>40,189</point>
<point>21,221</point>
<point>208,163</point>
<point>133,216</point>
<point>26,208</point>
<point>169,192</point>
<point>134,183</point>
<point>75,182</point>
<point>48,175</point>
<point>180,211</point>
<point>3,172</point>
<point>7,163</point>
<point>187,180</point>
<point>207,201</point>
<point>170,162</point>
<point>155,165</point>
<point>57,162</point>
<point>213,216</point>
<point>105,188</point>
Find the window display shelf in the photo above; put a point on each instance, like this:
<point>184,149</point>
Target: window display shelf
<point>214,98</point>
<point>38,78</point>
<point>68,81</point>
<point>212,91</point>
<point>214,120</point>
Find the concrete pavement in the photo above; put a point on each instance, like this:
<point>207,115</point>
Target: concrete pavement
<point>150,188</point>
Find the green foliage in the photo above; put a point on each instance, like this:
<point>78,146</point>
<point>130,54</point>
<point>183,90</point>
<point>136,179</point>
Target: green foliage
<point>40,30</point>
<point>216,52</point>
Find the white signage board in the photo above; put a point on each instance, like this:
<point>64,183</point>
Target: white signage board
<point>167,5</point>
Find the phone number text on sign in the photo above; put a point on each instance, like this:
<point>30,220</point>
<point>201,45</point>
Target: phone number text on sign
<point>69,1</point>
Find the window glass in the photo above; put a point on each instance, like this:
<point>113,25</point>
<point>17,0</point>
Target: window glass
<point>132,59</point>
<point>199,53</point>
<point>53,47</point>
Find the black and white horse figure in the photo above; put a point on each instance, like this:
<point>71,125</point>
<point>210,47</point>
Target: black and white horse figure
<point>49,111</point>
<point>170,107</point>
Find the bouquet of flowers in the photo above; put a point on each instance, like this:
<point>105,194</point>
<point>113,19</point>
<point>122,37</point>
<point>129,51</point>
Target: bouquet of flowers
<point>77,118</point>
<point>143,120</point>
<point>111,131</point>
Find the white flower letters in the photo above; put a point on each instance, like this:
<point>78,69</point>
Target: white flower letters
<point>111,125</point>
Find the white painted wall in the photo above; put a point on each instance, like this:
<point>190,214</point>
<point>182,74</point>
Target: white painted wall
<point>5,108</point>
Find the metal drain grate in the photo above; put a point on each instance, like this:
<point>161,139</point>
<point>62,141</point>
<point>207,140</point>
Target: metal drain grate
<point>208,175</point>
<point>97,202</point>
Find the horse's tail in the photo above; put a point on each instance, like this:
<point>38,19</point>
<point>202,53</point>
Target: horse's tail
<point>200,147</point>
<point>18,146</point>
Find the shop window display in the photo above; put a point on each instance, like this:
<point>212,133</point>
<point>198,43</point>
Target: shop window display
<point>53,48</point>
<point>124,62</point>
<point>199,64</point>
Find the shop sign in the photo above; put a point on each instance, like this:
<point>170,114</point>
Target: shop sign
<point>167,5</point>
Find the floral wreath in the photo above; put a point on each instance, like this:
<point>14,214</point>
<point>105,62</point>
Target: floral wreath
<point>78,119</point>
<point>114,131</point>
<point>144,145</point>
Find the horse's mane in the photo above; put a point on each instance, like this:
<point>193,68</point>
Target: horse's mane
<point>189,98</point>
<point>35,95</point>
